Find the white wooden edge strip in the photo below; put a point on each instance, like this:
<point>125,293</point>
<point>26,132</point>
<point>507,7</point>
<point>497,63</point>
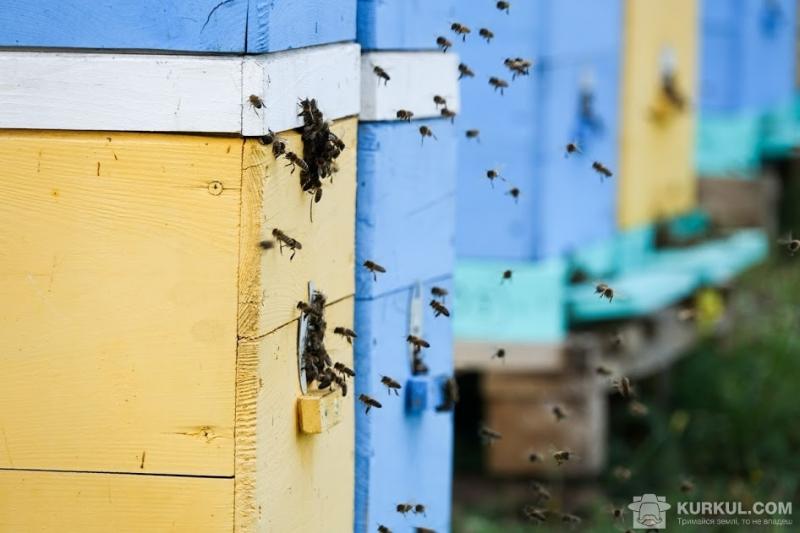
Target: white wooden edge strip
<point>416,77</point>
<point>175,93</point>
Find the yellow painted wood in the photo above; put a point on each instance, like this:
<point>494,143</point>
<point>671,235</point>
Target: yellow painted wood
<point>100,503</point>
<point>657,166</point>
<point>118,301</point>
<point>319,412</point>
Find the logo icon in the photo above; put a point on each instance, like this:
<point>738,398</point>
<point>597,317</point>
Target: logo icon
<point>649,511</point>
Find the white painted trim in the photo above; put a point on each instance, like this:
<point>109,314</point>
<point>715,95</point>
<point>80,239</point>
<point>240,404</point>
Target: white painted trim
<point>415,78</point>
<point>181,93</point>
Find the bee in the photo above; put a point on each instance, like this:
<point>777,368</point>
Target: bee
<point>383,529</point>
<point>572,148</point>
<point>340,381</point>
<point>559,413</point>
<point>518,66</point>
<point>344,369</point>
<point>439,292</point>
<point>637,408</point>
<point>473,134</point>
<point>375,268</point>
<point>278,144</point>
<point>460,29</point>
<point>535,515</point>
<point>268,138</point>
<point>504,6</point>
<point>391,385</point>
<point>542,494</point>
<point>602,371</point>
<point>419,509</point>
<point>624,387</point>
<point>514,193</point>
<point>347,333</point>
<point>562,456</point>
<point>498,83</point>
<point>443,43</point>
<point>791,244</point>
<point>534,457</point>
<point>423,530</point>
<point>617,513</point>
<point>492,175</point>
<point>307,309</point>
<point>404,508</point>
<point>570,518</point>
<point>418,343</point>
<point>405,114</point>
<point>621,473</point>
<point>506,276</point>
<point>288,242</point>
<point>604,291</point>
<point>601,169</point>
<point>439,309</point>
<point>425,131</point>
<point>369,402</point>
<point>487,34</point>
<point>449,395</point>
<point>439,101</point>
<point>489,435</point>
<point>266,245</point>
<point>464,71</point>
<point>256,101</point>
<point>669,86</point>
<point>500,354</point>
<point>446,113</point>
<point>686,486</point>
<point>381,74</point>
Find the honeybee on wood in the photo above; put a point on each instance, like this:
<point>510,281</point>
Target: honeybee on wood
<point>514,192</point>
<point>534,514</point>
<point>418,343</point>
<point>488,435</point>
<point>419,509</point>
<point>498,83</point>
<point>266,245</point>
<point>460,29</point>
<point>344,369</point>
<point>624,387</point>
<point>425,131</point>
<point>473,134</point>
<point>464,71</point>
<point>534,457</point>
<point>572,148</point>
<point>439,101</point>
<point>446,113</point>
<point>562,456</point>
<point>307,309</point>
<point>500,354</point>
<point>288,242</point>
<point>340,382</point>
<point>439,309</point>
<point>391,385</point>
<point>256,101</point>
<point>449,395</point>
<point>792,245</point>
<point>487,34</point>
<point>439,292</point>
<point>506,276</point>
<point>405,114</point>
<point>602,371</point>
<point>687,486</point>
<point>268,138</point>
<point>637,408</point>
<point>601,169</point>
<point>383,529</point>
<point>375,268</point>
<point>347,333</point>
<point>381,74</point>
<point>621,473</point>
<point>404,508</point>
<point>443,43</point>
<point>604,291</point>
<point>502,5</point>
<point>559,413</point>
<point>369,402</point>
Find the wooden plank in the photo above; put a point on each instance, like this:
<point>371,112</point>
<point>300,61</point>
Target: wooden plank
<point>415,78</point>
<point>402,24</point>
<point>146,92</point>
<point>118,283</point>
<point>273,26</point>
<point>97,503</point>
<point>478,356</point>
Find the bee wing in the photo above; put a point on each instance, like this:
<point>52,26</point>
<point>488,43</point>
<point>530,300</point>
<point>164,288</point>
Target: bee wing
<point>786,239</point>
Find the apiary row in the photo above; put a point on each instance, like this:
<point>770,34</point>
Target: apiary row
<point>195,253</point>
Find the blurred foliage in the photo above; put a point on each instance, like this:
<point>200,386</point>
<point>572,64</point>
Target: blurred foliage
<point>726,417</point>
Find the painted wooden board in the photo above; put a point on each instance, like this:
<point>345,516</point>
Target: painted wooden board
<point>416,77</point>
<point>559,23</point>
<point>143,92</point>
<point>97,503</point>
<point>728,143</point>
<point>252,26</point>
<point>656,172</point>
<point>402,456</point>
<point>403,24</point>
<point>119,253</point>
<point>405,206</point>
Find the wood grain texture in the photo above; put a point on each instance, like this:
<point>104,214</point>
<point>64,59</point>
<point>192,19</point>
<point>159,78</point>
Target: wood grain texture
<point>657,176</point>
<point>117,353</point>
<point>98,503</point>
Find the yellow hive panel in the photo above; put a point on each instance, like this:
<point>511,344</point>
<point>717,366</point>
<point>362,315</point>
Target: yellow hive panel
<point>118,265</point>
<point>98,503</point>
<point>657,176</point>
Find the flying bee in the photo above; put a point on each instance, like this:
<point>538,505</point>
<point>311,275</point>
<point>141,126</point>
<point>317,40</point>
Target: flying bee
<point>534,457</point>
<point>391,385</point>
<point>425,131</point>
<point>423,530</point>
<point>601,169</point>
<point>473,134</point>
<point>405,114</point>
<point>604,291</point>
<point>344,369</point>
<point>518,66</point>
<point>637,408</point>
<point>439,309</point>
<point>562,456</point>
<point>256,101</point>
<point>449,395</point>
<point>572,148</point>
<point>506,276</point>
<point>381,74</point>
<point>687,486</point>
<point>439,101</point>
<point>439,292</point>
<point>559,413</point>
<point>534,514</point>
<point>602,371</point>
<point>446,113</point>
<point>540,491</point>
<point>570,518</point>
<point>504,6</point>
<point>624,387</point>
<point>419,509</point>
<point>460,29</point>
<point>464,71</point>
<point>622,473</point>
<point>617,513</point>
<point>288,242</point>
<point>266,245</point>
<point>443,43</point>
<point>369,402</point>
<point>347,333</point>
<point>383,529</point>
<point>498,83</point>
<point>487,34</point>
<point>669,86</point>
<point>375,268</point>
<point>791,244</point>
<point>514,192</point>
<point>500,354</point>
<point>488,435</point>
<point>404,508</point>
<point>418,343</point>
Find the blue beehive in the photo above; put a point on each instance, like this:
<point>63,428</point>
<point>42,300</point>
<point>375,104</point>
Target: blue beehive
<point>232,26</point>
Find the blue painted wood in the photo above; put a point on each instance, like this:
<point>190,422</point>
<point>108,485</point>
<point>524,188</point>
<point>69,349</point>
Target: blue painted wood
<point>404,24</point>
<point>570,29</point>
<point>405,204</point>
<point>232,26</point>
<point>528,309</point>
<point>402,455</point>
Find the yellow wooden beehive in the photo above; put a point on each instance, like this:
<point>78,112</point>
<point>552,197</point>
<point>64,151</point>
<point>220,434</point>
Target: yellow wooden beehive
<point>657,177</point>
<point>148,345</point>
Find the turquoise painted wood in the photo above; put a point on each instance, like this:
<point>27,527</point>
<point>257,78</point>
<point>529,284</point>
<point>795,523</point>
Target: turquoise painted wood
<point>404,24</point>
<point>530,308</point>
<point>728,143</point>
<point>228,26</point>
<point>781,130</point>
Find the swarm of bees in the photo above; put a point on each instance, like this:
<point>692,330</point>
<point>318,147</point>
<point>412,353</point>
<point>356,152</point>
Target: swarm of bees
<point>321,148</point>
